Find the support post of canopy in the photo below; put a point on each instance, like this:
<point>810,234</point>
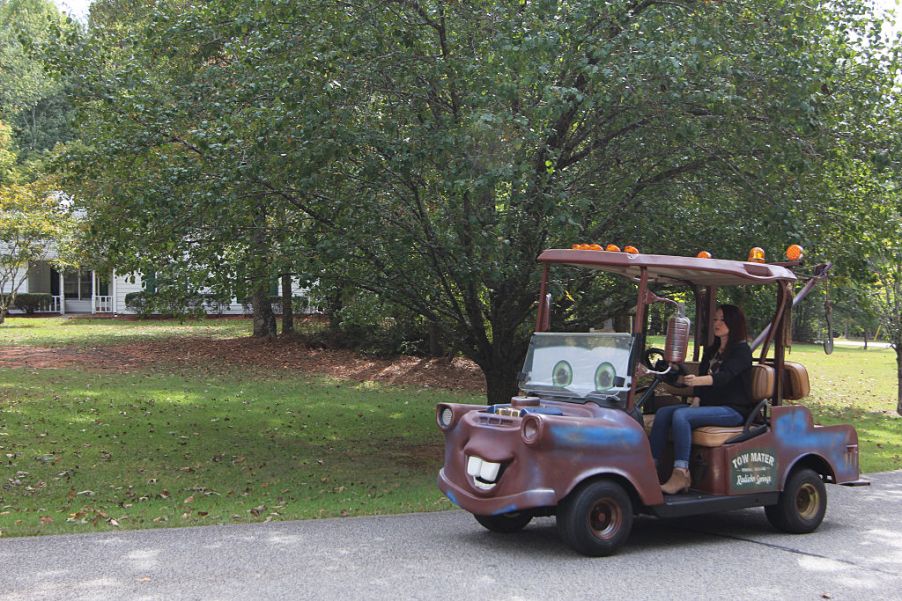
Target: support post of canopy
<point>639,340</point>
<point>543,317</point>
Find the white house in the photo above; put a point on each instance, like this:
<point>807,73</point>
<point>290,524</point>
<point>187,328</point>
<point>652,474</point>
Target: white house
<point>89,291</point>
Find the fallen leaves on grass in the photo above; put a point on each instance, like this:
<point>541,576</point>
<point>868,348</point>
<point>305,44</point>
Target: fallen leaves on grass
<point>293,355</point>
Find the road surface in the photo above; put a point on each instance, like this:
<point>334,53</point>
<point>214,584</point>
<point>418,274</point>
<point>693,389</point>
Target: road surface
<point>856,554</point>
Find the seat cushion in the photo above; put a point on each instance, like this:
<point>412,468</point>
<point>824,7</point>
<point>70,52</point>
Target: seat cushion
<point>795,381</point>
<point>705,436</point>
<point>762,382</point>
<point>714,436</point>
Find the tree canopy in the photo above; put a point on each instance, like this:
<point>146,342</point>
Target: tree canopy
<point>427,151</point>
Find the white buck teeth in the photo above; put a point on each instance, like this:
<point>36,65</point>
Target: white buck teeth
<point>489,471</point>
<point>486,471</point>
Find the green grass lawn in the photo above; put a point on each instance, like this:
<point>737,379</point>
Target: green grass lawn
<point>142,450</point>
<point>83,451</point>
<point>87,331</point>
<point>857,386</point>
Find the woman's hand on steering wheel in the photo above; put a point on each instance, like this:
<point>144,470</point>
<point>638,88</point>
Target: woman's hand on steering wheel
<point>653,358</point>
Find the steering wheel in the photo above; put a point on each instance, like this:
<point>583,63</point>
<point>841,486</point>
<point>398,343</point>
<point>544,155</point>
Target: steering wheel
<point>651,357</point>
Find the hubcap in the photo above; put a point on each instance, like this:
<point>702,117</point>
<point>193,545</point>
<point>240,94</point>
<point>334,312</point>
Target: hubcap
<point>807,501</point>
<point>605,518</point>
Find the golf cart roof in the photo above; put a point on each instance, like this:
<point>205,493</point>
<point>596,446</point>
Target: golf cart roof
<point>668,269</point>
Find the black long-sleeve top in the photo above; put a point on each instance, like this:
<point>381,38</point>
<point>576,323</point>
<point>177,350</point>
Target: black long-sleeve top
<point>732,385</point>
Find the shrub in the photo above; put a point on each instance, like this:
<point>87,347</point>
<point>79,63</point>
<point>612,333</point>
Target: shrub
<point>139,303</point>
<point>31,302</point>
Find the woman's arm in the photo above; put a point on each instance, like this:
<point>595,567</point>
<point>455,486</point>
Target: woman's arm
<point>700,380</point>
<point>737,361</point>
<point>690,380</point>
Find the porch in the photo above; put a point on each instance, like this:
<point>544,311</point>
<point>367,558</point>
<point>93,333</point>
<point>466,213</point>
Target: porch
<point>72,291</point>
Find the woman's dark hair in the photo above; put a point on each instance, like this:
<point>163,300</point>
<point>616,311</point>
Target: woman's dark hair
<point>734,319</point>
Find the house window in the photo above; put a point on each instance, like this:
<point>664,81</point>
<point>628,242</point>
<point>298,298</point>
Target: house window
<point>84,284</point>
<point>71,283</point>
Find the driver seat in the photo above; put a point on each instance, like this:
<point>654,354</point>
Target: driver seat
<point>763,379</point>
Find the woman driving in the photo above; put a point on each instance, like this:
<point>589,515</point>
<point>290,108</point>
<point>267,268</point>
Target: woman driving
<point>723,388</point>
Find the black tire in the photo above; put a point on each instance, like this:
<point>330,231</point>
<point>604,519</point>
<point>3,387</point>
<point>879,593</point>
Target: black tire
<point>506,522</point>
<point>802,503</point>
<point>596,519</point>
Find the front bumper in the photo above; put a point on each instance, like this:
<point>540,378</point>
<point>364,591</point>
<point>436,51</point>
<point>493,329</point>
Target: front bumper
<point>530,499</point>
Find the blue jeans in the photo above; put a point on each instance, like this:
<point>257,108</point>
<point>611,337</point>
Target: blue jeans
<point>682,419</point>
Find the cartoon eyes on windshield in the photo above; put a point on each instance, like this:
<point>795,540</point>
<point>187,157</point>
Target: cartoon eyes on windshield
<point>562,374</point>
<point>604,377</point>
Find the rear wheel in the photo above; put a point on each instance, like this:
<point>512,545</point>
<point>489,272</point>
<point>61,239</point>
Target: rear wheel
<point>802,503</point>
<point>505,522</point>
<point>596,519</point>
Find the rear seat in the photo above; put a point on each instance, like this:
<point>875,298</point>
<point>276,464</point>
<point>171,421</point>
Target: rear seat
<point>762,388</point>
<point>795,381</point>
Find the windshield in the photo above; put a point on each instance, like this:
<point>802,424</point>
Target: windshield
<point>582,366</point>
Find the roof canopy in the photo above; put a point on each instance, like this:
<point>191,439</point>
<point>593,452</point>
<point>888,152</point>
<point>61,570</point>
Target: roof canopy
<point>667,269</point>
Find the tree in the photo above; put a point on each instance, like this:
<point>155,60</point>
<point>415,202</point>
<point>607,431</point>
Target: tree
<point>8,157</point>
<point>32,225</point>
<point>858,221</point>
<point>428,151</point>
<point>32,103</point>
<point>461,140</point>
<point>173,150</point>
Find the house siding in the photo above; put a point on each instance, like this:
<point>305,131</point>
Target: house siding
<point>122,285</point>
<point>8,286</point>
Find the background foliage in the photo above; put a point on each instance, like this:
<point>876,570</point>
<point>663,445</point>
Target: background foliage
<point>422,153</point>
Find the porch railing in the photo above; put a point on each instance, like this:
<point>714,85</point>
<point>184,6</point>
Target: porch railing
<point>53,306</point>
<point>103,304</point>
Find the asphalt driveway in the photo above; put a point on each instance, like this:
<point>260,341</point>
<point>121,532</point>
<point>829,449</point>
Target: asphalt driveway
<point>856,554</point>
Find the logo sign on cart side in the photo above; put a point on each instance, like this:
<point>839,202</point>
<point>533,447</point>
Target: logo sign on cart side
<point>754,469</point>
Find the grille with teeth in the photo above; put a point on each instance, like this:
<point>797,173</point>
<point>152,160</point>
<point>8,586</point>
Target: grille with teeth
<point>485,473</point>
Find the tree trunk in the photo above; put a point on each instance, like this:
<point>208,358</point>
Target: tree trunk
<point>502,361</point>
<point>435,343</point>
<point>501,383</point>
<point>865,340</point>
<point>2,315</point>
<point>287,308</point>
<point>264,320</point>
<point>334,304</point>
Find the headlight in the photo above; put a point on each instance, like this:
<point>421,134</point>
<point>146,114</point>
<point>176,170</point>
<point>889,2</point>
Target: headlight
<point>444,415</point>
<point>531,429</point>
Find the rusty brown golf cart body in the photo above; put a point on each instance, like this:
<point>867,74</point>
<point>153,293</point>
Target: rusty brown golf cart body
<point>575,445</point>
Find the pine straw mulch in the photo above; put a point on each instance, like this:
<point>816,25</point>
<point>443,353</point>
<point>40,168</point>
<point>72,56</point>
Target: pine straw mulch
<point>289,354</point>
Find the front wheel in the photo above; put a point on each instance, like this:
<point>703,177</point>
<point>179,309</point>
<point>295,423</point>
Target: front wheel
<point>596,519</point>
<point>802,503</point>
<point>505,522</point>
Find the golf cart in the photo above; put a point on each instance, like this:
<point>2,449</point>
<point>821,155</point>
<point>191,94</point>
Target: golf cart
<point>575,443</point>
